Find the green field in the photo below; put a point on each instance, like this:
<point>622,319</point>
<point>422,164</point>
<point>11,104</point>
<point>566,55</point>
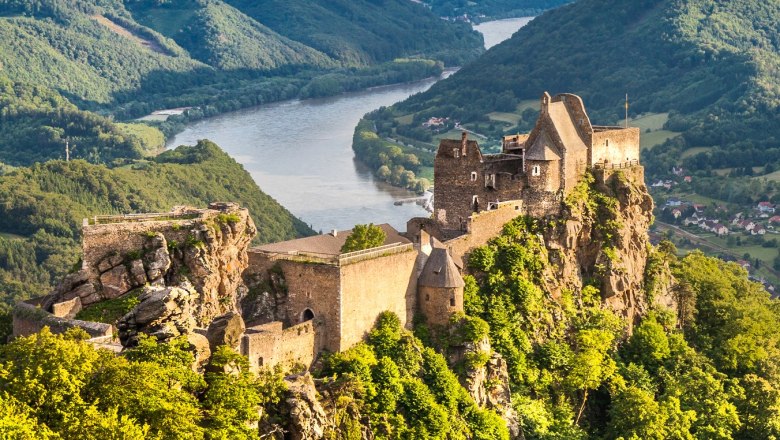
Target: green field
<point>694,151</point>
<point>649,121</point>
<point>775,176</point>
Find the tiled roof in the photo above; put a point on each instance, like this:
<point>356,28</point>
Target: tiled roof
<point>327,244</point>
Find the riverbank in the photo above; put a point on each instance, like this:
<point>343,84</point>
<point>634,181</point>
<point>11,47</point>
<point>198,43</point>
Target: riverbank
<point>405,159</point>
<point>247,94</point>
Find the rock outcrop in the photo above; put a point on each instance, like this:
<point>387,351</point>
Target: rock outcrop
<point>190,267</point>
<point>487,384</point>
<point>164,312</point>
<point>602,234</point>
<point>227,330</point>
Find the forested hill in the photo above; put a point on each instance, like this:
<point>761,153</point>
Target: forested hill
<point>104,51</point>
<point>713,65</point>
<point>480,10</point>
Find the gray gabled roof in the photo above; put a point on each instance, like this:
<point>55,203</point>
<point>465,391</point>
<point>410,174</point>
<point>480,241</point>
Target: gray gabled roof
<point>542,150</point>
<point>440,271</point>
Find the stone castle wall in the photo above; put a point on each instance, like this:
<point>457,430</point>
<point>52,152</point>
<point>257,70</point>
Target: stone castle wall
<point>482,227</point>
<point>29,318</point>
<point>373,286</point>
<point>623,146</point>
<point>454,185</point>
<point>270,344</point>
<point>315,287</point>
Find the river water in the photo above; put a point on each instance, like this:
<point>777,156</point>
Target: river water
<point>300,152</point>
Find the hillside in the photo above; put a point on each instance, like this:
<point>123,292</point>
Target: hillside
<point>41,207</point>
<point>358,32</point>
<point>491,9</point>
<point>224,37</point>
<point>711,65</point>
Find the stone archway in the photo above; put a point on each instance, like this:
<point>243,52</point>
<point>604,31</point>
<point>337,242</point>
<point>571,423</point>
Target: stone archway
<point>307,315</point>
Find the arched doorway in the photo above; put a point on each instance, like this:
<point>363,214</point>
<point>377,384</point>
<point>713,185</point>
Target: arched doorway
<point>307,315</point>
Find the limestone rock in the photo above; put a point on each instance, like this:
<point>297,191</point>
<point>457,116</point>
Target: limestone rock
<point>306,416</point>
<point>137,273</point>
<point>162,312</point>
<point>199,346</point>
<point>116,282</point>
<point>226,330</point>
<point>158,261</point>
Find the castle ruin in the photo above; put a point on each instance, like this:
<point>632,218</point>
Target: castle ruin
<point>303,297</point>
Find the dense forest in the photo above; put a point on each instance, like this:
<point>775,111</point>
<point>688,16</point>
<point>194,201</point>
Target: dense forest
<point>482,10</point>
<point>712,65</point>
<point>42,207</point>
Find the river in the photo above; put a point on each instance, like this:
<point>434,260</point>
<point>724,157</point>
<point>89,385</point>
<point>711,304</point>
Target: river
<point>300,152</point>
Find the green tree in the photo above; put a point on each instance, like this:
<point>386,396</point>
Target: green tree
<point>364,237</point>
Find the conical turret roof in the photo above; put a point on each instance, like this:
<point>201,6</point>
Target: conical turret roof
<point>440,271</point>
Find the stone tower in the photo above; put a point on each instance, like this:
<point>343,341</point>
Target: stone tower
<point>440,288</point>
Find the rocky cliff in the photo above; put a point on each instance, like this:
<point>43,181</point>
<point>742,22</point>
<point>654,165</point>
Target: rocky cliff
<point>601,236</point>
<point>186,270</point>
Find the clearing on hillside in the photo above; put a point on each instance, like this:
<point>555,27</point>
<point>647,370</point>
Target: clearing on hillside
<point>120,30</point>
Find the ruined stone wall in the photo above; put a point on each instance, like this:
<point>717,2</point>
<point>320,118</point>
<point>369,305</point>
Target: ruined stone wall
<point>540,204</point>
<point>439,304</point>
<point>100,241</point>
<point>373,286</point>
<point>315,287</point>
<point>454,186</point>
<point>270,345</point>
<point>580,118</point>
<point>623,146</point>
<point>482,227</point>
<point>29,319</point>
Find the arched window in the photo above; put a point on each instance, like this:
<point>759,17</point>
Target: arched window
<point>536,170</point>
<point>307,315</point>
<point>473,176</point>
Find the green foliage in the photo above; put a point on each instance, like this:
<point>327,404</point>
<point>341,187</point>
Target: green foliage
<point>59,386</point>
<point>393,163</point>
<point>365,32</point>
<point>228,219</point>
<point>405,389</point>
<point>109,311</point>
<point>364,237</point>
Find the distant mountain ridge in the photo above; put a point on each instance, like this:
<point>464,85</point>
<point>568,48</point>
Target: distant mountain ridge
<point>712,64</point>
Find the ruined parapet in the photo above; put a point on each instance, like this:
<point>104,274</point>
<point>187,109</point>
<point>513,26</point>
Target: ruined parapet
<point>270,345</point>
<point>30,318</point>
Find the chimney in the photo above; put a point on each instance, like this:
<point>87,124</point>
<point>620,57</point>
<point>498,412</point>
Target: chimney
<point>464,140</point>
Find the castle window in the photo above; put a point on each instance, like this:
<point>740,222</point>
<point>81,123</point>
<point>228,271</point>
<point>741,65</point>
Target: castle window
<point>607,143</point>
<point>452,301</point>
<point>260,361</point>
<point>427,296</point>
<point>475,203</point>
<point>455,152</point>
<point>473,176</point>
<point>536,171</point>
<point>307,315</point>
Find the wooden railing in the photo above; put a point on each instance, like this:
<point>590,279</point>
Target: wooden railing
<point>615,166</point>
